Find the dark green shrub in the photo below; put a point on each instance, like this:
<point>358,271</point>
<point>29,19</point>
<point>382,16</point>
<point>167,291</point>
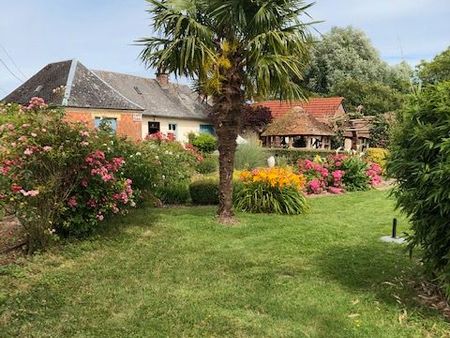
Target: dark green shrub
<point>205,143</point>
<point>355,177</point>
<point>209,165</point>
<point>205,192</point>
<point>420,161</point>
<point>291,156</point>
<point>174,194</point>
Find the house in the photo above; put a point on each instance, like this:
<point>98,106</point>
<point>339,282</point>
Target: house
<point>133,106</point>
<point>326,115</point>
<point>299,129</point>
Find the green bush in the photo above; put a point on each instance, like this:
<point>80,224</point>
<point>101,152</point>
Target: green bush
<point>250,156</point>
<point>258,199</point>
<point>420,162</point>
<point>205,192</point>
<point>205,143</point>
<point>355,177</point>
<point>291,156</point>
<point>173,194</point>
<point>209,165</point>
<point>173,163</point>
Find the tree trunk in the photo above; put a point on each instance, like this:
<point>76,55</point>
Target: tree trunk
<point>227,134</point>
<point>226,115</point>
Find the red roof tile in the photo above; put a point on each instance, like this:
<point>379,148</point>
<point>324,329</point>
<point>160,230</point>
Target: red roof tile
<point>320,107</point>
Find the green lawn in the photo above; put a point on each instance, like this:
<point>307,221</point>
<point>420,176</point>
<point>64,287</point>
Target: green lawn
<point>176,272</point>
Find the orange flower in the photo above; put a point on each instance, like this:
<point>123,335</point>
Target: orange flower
<point>274,177</point>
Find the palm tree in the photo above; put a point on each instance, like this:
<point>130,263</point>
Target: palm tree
<point>236,50</point>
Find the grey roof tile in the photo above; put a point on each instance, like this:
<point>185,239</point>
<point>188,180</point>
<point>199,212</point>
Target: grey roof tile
<point>169,101</point>
<point>86,88</point>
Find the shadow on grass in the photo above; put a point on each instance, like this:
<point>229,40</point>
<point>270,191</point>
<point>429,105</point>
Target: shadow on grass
<point>384,270</point>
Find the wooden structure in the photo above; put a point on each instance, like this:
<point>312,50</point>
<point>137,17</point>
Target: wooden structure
<point>357,133</point>
<point>298,129</point>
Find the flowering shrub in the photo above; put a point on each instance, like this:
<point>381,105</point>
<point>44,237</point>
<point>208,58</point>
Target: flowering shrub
<point>58,177</point>
<point>175,163</point>
<point>205,143</point>
<point>377,155</point>
<point>271,190</point>
<point>338,173</point>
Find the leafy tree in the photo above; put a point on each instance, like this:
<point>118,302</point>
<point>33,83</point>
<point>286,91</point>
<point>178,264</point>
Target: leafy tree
<point>381,129</point>
<point>374,97</point>
<point>345,63</point>
<point>341,54</point>
<point>420,161</point>
<point>437,70</point>
<point>256,118</point>
<point>237,50</point>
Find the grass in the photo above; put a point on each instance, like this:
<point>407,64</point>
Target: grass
<point>176,272</point>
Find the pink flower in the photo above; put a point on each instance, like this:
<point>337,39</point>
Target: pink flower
<point>92,203</point>
<point>30,193</point>
<point>100,217</point>
<point>315,186</point>
<point>84,144</point>
<point>36,102</point>
<point>47,148</point>
<point>72,202</point>
<point>28,151</point>
<point>84,133</point>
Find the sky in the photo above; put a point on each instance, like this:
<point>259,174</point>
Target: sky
<point>101,33</point>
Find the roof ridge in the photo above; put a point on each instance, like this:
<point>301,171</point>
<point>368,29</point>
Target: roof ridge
<point>69,82</point>
<point>136,76</point>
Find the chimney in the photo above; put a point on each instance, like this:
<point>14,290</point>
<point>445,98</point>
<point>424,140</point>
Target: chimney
<point>162,78</point>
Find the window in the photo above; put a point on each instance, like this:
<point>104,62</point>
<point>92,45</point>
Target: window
<point>106,122</point>
<point>153,128</point>
<point>173,129</point>
<point>207,129</point>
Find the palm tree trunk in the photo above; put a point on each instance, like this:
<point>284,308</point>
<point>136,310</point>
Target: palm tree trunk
<point>227,135</point>
<point>227,119</point>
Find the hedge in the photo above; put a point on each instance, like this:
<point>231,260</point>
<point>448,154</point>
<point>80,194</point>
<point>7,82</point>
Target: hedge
<point>293,155</point>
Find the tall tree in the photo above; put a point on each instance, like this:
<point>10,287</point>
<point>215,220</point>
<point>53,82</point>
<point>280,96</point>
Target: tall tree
<point>437,70</point>
<point>345,63</point>
<point>237,50</point>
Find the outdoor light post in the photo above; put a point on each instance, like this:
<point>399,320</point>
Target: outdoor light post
<point>394,228</point>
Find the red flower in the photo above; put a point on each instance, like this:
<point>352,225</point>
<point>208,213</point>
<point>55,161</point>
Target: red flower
<point>15,188</point>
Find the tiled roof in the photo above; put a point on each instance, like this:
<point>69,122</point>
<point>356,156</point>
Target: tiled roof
<point>297,122</point>
<point>321,107</point>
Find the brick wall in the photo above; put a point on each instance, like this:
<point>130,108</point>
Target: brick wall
<point>127,124</point>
